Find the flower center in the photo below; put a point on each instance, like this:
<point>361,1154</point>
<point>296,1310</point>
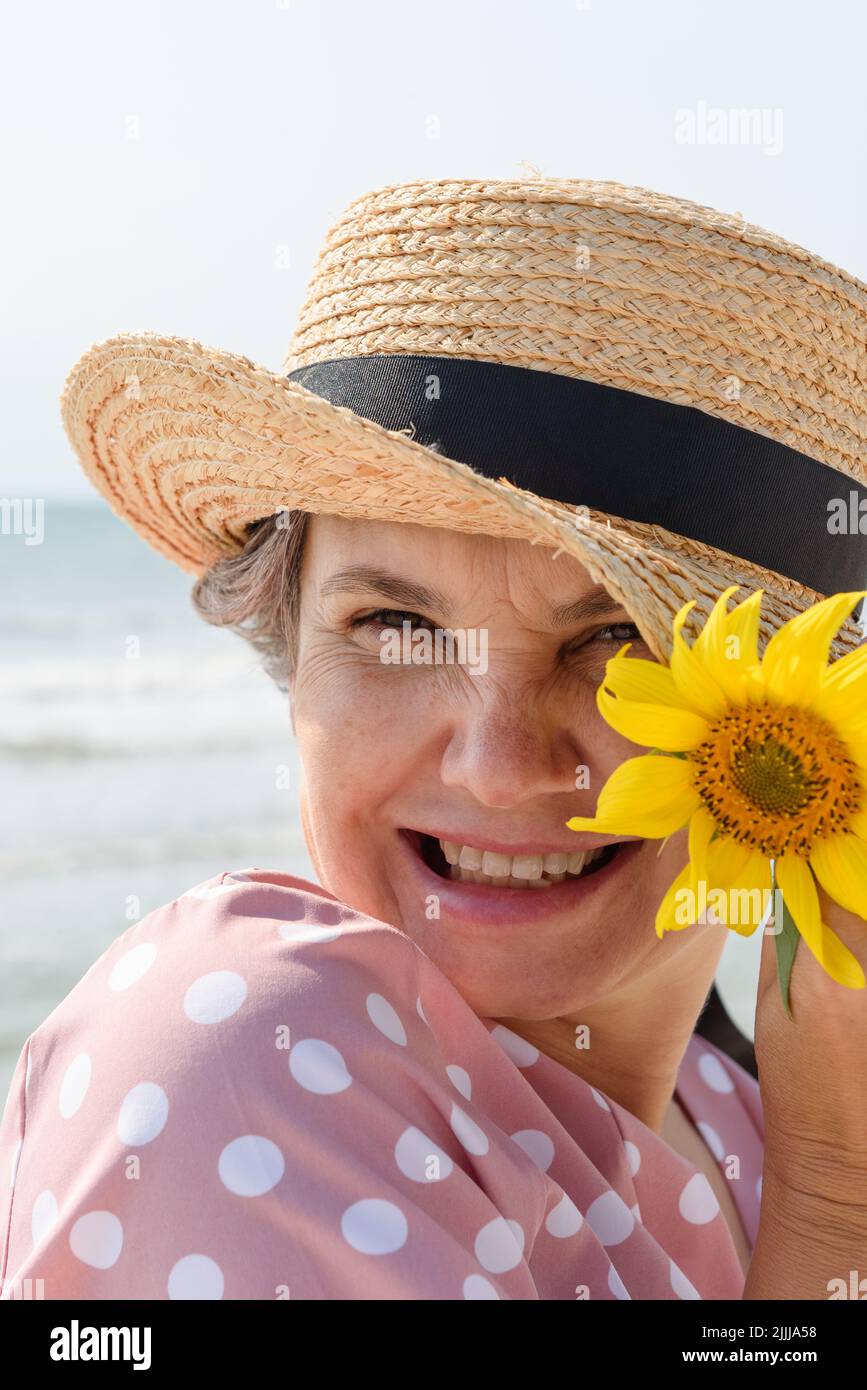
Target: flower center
<point>777,778</point>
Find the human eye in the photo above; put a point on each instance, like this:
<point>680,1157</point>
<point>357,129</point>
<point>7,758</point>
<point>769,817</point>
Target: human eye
<point>388,617</point>
<point>617,632</point>
<point>601,642</point>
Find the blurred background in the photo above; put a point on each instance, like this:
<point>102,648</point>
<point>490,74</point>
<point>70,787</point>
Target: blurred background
<point>174,168</point>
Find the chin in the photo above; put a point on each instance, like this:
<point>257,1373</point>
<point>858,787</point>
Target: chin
<point>538,969</point>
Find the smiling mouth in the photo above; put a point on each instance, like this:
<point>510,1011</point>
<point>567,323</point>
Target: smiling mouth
<point>467,865</point>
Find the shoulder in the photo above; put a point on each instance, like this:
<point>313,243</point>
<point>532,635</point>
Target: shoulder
<point>249,1062</point>
<point>245,957</point>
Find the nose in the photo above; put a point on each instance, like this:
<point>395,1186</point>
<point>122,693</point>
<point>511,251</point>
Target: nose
<point>505,749</point>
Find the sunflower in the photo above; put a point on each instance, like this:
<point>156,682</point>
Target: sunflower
<point>765,762</point>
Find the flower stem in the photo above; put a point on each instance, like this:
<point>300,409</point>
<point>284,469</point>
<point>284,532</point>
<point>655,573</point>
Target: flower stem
<point>786,940</point>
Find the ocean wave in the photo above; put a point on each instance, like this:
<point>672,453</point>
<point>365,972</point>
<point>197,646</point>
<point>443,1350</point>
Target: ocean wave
<point>158,677</point>
<point>63,749</point>
<point>271,842</point>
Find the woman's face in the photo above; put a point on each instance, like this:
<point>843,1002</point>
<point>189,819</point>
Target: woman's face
<point>495,760</point>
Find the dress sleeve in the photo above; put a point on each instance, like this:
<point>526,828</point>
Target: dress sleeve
<point>230,1106</point>
<point>11,1143</point>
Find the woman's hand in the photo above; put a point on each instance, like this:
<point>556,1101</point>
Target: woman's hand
<point>813,1081</point>
<point>813,1071</point>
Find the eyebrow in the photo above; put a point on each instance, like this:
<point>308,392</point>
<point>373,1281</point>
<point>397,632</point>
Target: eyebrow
<point>596,603</point>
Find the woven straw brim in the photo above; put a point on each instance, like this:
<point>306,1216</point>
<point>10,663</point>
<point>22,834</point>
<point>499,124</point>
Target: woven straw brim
<point>190,444</point>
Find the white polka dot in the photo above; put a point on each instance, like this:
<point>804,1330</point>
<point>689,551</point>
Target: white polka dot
<point>196,1276</point>
<point>313,933</point>
<point>697,1202</point>
<point>374,1226</point>
<point>600,1099</point>
<point>143,1114</point>
<point>420,1011</point>
<point>132,965</point>
<point>73,1087</point>
<point>714,1074</point>
<point>712,1139</point>
<point>759,1187</point>
<point>522,1053</point>
<point>633,1156</point>
<point>610,1218</point>
<point>477,1286</point>
<point>318,1067</point>
<point>13,1167</point>
<point>635,1212</point>
<point>43,1215</point>
<point>499,1245</point>
<point>616,1284</point>
<point>564,1219</point>
<point>385,1018</point>
<point>414,1154</point>
<point>460,1079</point>
<point>97,1239</point>
<point>467,1132</point>
<point>250,1165</point>
<point>215,996</point>
<point>680,1284</point>
<point>536,1145</point>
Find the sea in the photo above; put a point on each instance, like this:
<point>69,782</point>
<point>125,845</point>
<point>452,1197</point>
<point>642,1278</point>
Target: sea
<point>141,752</point>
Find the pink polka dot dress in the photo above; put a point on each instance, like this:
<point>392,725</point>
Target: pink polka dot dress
<point>258,1093</point>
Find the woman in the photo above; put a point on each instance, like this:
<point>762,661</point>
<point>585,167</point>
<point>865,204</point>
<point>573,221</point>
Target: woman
<point>463,1066</point>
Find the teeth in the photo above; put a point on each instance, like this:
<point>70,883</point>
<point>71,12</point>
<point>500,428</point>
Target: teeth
<point>496,865</point>
<point>471,865</point>
<point>527,866</point>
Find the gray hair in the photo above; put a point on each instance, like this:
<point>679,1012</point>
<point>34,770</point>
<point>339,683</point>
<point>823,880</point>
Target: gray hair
<point>256,593</point>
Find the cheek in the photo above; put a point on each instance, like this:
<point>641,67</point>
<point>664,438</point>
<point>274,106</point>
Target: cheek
<point>609,748</point>
<point>357,729</point>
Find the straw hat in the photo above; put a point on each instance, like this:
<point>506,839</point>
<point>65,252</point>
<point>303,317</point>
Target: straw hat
<point>671,395</point>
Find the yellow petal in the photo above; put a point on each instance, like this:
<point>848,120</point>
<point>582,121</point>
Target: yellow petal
<point>802,899</point>
<point>741,870</point>
<point>795,659</point>
<point>852,731</point>
<point>656,726</point>
<point>648,796</point>
<point>727,643</point>
<point>701,828</point>
<point>856,748</point>
<point>691,676</point>
<point>634,678</point>
<point>842,694</point>
<point>840,865</point>
<point>667,913</point>
<point>743,623</point>
<point>858,824</point>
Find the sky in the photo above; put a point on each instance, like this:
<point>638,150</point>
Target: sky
<point>163,161</point>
